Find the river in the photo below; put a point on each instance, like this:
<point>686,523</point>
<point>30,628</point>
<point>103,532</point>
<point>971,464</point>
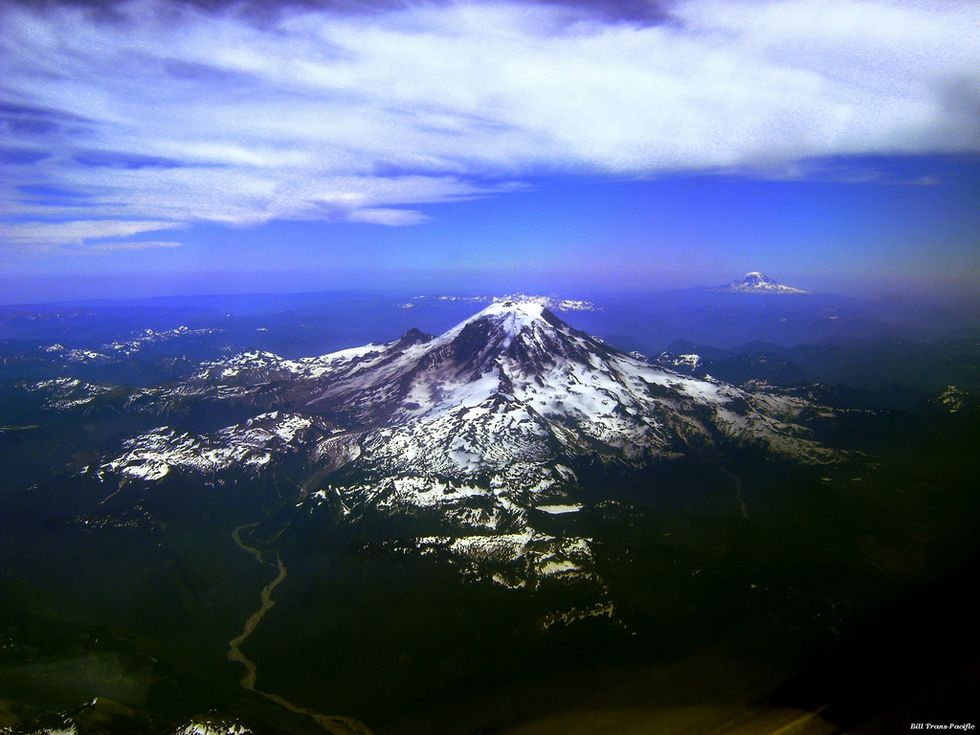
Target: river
<point>334,724</point>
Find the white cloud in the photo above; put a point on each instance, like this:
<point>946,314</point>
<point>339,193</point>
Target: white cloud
<point>363,117</point>
<point>75,231</point>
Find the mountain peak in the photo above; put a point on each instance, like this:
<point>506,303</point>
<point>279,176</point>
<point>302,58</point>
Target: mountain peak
<point>513,315</point>
<point>524,309</point>
<point>756,279</point>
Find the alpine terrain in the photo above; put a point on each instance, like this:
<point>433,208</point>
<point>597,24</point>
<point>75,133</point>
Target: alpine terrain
<point>479,432</point>
<point>450,533</point>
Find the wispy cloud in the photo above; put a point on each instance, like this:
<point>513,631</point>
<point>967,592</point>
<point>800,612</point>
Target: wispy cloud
<point>162,115</point>
<point>111,247</point>
<point>75,231</point>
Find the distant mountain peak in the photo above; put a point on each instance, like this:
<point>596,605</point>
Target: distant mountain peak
<point>758,282</point>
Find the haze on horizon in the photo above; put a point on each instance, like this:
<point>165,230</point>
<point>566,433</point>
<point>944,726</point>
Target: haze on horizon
<point>152,148</point>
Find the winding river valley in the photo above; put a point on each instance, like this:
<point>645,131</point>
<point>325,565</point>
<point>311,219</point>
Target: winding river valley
<point>334,724</point>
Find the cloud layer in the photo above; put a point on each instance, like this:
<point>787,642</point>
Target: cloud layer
<point>156,116</point>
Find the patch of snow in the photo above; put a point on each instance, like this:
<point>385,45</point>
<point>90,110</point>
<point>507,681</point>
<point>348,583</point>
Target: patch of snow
<point>567,617</point>
<point>952,399</point>
<point>560,509</point>
<point>221,727</point>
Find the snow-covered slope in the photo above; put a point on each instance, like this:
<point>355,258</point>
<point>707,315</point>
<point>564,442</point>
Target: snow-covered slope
<point>249,446</point>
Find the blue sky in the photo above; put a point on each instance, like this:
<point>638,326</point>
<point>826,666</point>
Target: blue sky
<point>172,148</point>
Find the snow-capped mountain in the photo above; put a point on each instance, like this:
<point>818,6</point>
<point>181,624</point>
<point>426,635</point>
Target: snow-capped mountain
<point>756,282</point>
<point>65,393</point>
<point>512,389</point>
<point>476,434</point>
